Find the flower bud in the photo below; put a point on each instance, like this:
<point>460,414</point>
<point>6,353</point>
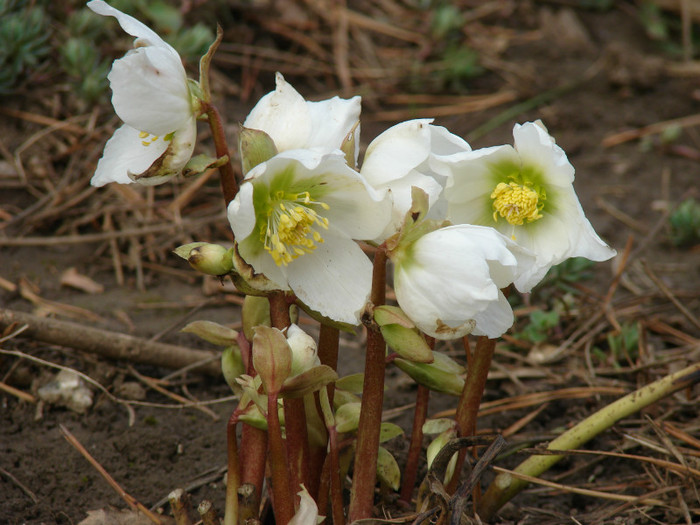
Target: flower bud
<point>272,358</point>
<point>442,375</point>
<point>255,147</point>
<point>255,312</point>
<point>232,367</point>
<point>210,259</point>
<point>304,352</point>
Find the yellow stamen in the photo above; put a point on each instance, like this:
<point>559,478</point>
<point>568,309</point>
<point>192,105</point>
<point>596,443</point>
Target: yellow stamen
<point>516,203</point>
<point>146,141</point>
<point>291,229</point>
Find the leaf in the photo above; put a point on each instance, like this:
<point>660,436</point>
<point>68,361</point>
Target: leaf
<point>347,417</point>
<point>388,471</point>
<point>212,332</point>
<point>308,382</point>
<point>352,383</point>
<point>389,431</point>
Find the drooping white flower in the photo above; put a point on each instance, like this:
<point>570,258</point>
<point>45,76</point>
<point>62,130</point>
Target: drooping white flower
<point>151,94</point>
<point>307,512</point>
<point>304,350</point>
<point>526,192</point>
<point>295,123</point>
<point>295,218</point>
<point>411,154</point>
<point>449,280</point>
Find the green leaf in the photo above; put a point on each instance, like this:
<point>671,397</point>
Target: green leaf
<point>388,471</point>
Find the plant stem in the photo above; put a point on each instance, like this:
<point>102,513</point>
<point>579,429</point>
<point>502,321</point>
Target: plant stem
<point>365,474</point>
<point>229,186</point>
<point>416,447</point>
<point>468,407</point>
<point>233,478</point>
<point>328,343</point>
<point>254,450</point>
<point>334,484</point>
<point>282,495</point>
<point>504,486</point>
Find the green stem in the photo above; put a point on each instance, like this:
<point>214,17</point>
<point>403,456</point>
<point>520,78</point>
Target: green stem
<point>504,486</point>
<point>365,474</point>
<point>478,367</point>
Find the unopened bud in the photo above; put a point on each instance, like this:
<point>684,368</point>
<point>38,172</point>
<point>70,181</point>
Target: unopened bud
<point>442,375</point>
<point>255,312</point>
<point>272,358</point>
<point>255,147</point>
<point>304,353</point>
<point>211,259</point>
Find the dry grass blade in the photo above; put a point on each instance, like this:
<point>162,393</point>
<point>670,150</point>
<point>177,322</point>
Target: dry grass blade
<point>584,492</point>
<point>129,499</point>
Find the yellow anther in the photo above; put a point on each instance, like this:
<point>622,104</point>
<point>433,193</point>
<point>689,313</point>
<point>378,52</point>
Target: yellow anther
<point>147,142</point>
<point>291,229</point>
<point>516,203</point>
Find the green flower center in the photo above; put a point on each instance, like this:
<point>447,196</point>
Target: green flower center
<point>292,226</point>
<point>516,203</point>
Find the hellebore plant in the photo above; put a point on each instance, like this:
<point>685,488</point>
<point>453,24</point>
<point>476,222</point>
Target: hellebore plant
<point>460,227</point>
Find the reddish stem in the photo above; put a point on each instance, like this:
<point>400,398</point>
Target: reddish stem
<point>328,343</point>
<point>415,449</point>
<point>470,400</point>
<point>229,186</point>
<point>282,495</point>
<point>234,476</point>
<point>254,451</point>
<point>365,474</point>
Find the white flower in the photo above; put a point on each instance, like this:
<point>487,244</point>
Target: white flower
<point>294,123</point>
<point>307,512</point>
<point>410,154</point>
<point>525,192</point>
<point>449,281</point>
<point>151,94</point>
<point>295,219</point>
<point>304,350</point>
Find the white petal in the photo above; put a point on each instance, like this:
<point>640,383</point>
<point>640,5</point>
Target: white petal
<point>335,279</point>
<point>331,122</point>
<point>149,90</point>
<point>241,213</point>
<point>125,153</point>
<point>129,24</point>
<point>537,148</point>
<point>307,513</point>
<point>396,152</point>
<point>282,114</point>
<point>495,320</point>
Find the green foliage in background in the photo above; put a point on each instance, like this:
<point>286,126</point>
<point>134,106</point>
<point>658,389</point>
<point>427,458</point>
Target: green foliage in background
<point>540,326</point>
<point>24,41</point>
<point>32,33</point>
<point>685,224</point>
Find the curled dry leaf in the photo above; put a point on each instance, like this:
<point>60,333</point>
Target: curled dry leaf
<point>72,278</point>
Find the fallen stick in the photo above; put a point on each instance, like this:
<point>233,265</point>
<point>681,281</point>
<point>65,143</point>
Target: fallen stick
<point>112,345</point>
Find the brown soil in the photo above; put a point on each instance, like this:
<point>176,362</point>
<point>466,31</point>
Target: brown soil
<point>588,78</point>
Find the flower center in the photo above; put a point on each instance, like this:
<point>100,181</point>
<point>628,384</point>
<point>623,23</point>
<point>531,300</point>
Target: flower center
<point>292,226</point>
<point>516,203</point>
